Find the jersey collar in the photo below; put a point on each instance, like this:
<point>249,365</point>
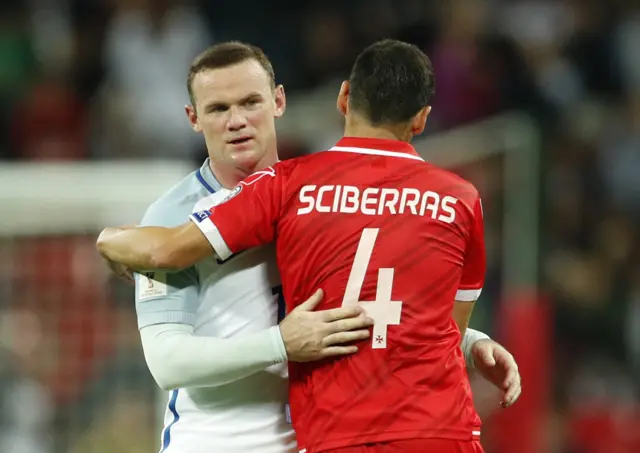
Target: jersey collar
<point>207,178</point>
<point>377,146</point>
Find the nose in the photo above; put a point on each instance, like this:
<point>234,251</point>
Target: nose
<point>236,119</point>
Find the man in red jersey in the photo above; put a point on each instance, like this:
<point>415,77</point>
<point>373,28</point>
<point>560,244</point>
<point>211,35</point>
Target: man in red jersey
<point>372,224</point>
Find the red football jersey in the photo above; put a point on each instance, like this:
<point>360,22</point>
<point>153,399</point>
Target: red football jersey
<point>370,223</point>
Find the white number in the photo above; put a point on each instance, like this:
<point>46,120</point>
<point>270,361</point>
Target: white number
<point>383,310</point>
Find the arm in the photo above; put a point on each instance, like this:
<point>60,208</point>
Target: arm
<point>473,272</point>
<point>461,315</point>
<point>178,358</point>
<point>247,219</point>
<point>469,342</point>
<point>149,248</point>
<point>167,306</point>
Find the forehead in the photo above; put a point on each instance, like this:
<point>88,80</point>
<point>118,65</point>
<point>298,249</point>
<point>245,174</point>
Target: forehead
<point>231,83</point>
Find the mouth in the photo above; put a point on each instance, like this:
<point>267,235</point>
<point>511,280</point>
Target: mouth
<point>240,140</point>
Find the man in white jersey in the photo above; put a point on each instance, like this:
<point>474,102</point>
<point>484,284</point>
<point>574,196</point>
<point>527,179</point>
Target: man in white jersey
<point>210,333</point>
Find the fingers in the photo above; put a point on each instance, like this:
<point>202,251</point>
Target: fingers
<point>312,302</point>
<point>122,272</point>
<point>513,387</point>
<point>512,395</point>
<point>330,315</point>
<point>342,325</point>
<point>334,351</point>
<point>127,275</point>
<point>511,378</point>
<point>346,337</point>
<point>337,314</point>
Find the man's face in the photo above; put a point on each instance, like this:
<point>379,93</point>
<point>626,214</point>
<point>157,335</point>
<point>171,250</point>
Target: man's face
<point>236,109</point>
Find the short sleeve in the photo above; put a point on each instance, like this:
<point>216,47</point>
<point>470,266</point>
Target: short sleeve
<point>474,269</point>
<point>248,217</point>
<point>166,297</point>
<point>163,297</point>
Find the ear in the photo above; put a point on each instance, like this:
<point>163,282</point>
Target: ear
<point>343,98</point>
<point>419,121</point>
<point>193,118</point>
<point>280,101</point>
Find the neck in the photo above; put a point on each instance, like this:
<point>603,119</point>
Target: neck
<point>230,176</point>
<point>361,129</point>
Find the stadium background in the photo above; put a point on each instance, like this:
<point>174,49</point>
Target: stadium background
<point>92,129</point>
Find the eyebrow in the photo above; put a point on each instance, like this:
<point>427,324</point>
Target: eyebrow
<point>216,104</point>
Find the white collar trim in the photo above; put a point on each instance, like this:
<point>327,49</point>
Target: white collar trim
<point>375,152</point>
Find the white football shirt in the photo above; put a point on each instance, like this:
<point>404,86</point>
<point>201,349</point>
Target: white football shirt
<point>222,299</point>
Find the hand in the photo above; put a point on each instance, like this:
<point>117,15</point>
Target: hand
<point>120,270</point>
<point>499,367</point>
<point>313,335</point>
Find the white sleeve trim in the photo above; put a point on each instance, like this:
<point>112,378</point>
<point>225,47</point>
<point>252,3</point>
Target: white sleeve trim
<point>178,358</point>
<point>213,235</point>
<point>468,295</point>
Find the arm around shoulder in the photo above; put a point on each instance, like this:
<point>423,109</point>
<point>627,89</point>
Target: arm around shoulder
<point>152,248</point>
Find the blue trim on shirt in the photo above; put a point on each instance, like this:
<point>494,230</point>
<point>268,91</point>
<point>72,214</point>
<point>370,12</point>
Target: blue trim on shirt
<point>282,307</point>
<point>204,183</point>
<point>166,435</point>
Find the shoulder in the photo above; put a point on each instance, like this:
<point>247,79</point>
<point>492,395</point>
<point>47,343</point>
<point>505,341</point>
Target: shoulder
<point>448,181</point>
<point>279,170</point>
<point>175,205</point>
<point>295,166</point>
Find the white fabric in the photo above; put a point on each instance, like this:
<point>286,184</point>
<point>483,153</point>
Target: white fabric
<point>212,234</point>
<point>469,339</point>
<point>468,295</point>
<point>229,397</point>
<point>178,358</point>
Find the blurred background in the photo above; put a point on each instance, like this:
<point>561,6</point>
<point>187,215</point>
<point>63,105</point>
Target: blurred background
<point>538,103</point>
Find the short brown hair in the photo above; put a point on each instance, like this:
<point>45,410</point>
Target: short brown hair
<point>227,54</point>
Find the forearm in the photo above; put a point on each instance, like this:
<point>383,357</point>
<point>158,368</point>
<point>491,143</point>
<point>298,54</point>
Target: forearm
<point>471,336</point>
<point>177,358</point>
<point>153,248</point>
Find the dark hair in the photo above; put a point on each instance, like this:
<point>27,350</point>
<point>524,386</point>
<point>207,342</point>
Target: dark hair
<point>227,54</point>
<point>390,82</point>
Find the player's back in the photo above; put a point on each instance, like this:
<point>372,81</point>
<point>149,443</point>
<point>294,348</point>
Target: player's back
<point>382,227</point>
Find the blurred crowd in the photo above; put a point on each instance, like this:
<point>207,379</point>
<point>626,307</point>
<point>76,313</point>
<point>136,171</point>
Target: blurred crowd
<point>105,79</point>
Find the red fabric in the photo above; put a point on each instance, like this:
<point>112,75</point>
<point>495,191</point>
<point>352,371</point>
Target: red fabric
<point>371,221</point>
<point>415,446</point>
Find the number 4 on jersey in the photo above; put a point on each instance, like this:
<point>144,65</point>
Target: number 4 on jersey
<point>383,310</point>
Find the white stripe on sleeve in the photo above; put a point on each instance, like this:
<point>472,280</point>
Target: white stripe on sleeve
<point>468,295</point>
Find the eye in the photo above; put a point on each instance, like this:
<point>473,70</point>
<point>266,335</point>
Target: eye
<point>217,108</point>
<point>252,102</point>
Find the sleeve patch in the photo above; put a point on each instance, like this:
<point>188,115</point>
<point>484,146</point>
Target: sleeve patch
<point>200,216</point>
<point>152,284</point>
